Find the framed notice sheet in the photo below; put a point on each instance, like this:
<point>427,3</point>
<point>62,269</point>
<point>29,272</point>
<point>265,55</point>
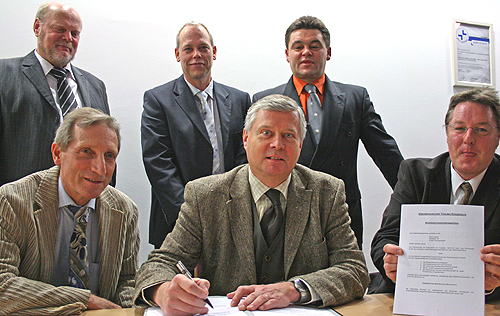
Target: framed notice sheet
<point>473,62</point>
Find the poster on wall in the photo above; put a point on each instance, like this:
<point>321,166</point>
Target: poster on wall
<point>473,54</point>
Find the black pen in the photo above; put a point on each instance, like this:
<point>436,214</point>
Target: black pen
<point>185,271</point>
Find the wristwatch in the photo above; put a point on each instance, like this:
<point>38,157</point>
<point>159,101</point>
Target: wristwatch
<point>305,295</point>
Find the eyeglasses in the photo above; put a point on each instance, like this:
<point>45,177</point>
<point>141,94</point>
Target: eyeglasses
<point>482,130</point>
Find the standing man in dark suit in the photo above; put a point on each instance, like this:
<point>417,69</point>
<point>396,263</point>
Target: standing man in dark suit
<point>342,116</point>
<point>268,234</point>
<point>469,173</point>
<point>30,111</point>
<point>186,136</point>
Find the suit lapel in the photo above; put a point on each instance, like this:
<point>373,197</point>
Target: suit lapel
<point>83,89</point>
<point>296,216</point>
<point>224,105</point>
<point>241,221</point>
<point>45,214</point>
<point>309,145</point>
<point>185,100</point>
<point>440,186</point>
<point>488,192</point>
<point>110,240</point>
<point>333,109</point>
<point>34,72</point>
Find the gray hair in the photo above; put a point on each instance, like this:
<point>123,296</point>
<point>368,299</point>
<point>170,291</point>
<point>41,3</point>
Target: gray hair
<point>484,96</point>
<point>47,8</point>
<point>279,103</point>
<point>83,117</point>
<point>43,10</point>
<point>193,23</point>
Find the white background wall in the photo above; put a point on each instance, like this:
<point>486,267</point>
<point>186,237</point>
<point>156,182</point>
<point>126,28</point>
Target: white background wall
<point>399,50</point>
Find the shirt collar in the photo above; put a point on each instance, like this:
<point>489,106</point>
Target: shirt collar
<point>209,89</point>
<point>319,83</point>
<point>258,188</point>
<point>457,180</point>
<point>47,66</point>
<point>65,199</point>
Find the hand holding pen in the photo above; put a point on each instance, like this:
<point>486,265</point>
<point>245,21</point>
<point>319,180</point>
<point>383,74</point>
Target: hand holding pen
<point>185,271</point>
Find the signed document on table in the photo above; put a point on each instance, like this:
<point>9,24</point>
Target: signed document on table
<point>222,306</point>
<point>441,271</point>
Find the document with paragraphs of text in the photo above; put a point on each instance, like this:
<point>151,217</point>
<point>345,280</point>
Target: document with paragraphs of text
<point>222,306</point>
<point>440,272</point>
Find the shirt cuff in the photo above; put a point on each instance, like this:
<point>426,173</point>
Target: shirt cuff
<point>314,296</point>
<point>145,297</point>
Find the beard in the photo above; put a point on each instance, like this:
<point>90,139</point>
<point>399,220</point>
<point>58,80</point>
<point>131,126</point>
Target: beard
<point>58,58</point>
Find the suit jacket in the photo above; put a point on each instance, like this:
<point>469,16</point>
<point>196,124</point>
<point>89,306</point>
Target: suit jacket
<point>28,230</point>
<point>348,117</point>
<point>216,225</point>
<point>176,147</point>
<point>29,117</point>
<point>428,181</point>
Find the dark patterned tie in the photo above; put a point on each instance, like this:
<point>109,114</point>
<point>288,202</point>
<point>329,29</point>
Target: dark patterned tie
<point>272,220</point>
<point>467,192</point>
<point>314,111</point>
<point>67,100</point>
<point>78,257</point>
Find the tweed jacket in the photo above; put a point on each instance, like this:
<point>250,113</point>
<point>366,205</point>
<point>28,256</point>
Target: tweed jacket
<point>28,229</point>
<point>29,115</point>
<point>215,224</point>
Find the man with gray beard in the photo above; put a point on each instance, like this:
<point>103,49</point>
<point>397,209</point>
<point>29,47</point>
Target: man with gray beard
<point>37,90</point>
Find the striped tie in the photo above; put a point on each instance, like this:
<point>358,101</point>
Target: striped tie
<point>67,100</point>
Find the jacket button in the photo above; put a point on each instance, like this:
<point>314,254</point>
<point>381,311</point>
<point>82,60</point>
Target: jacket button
<point>349,134</point>
<point>342,163</point>
<point>56,120</point>
<point>267,258</point>
<point>264,278</point>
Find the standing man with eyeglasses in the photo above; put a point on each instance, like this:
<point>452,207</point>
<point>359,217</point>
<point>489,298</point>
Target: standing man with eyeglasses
<point>39,89</point>
<point>469,173</point>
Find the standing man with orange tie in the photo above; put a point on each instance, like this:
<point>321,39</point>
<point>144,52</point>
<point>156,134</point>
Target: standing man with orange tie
<point>38,90</point>
<point>191,127</point>
<point>339,116</point>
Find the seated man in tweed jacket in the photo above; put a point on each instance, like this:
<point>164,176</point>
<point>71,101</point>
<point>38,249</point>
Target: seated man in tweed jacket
<point>42,212</point>
<point>303,252</point>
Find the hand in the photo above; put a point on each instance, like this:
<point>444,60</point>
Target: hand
<point>264,297</point>
<point>181,296</point>
<point>96,302</point>
<point>491,256</point>
<point>391,260</point>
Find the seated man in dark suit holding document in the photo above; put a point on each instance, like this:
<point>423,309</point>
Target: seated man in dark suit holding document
<point>469,173</point>
<point>68,240</point>
<point>267,234</point>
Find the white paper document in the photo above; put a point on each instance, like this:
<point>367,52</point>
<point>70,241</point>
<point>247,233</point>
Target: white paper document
<point>441,272</point>
<point>222,306</point>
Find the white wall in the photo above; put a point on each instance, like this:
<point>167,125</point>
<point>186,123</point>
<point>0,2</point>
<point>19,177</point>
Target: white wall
<point>399,50</point>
